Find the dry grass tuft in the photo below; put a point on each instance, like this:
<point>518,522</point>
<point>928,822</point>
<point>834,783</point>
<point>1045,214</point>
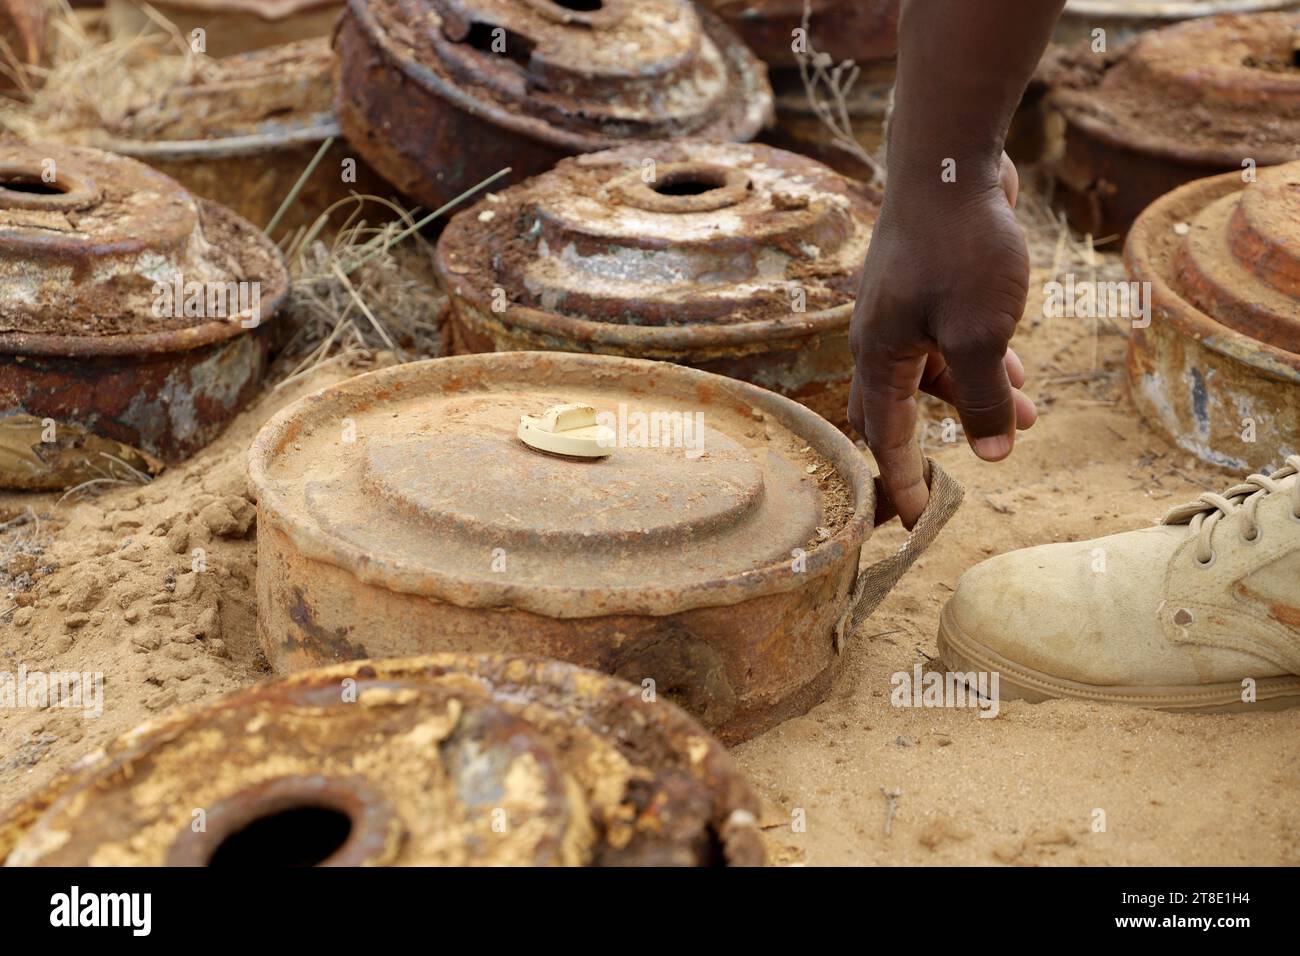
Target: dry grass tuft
<point>92,83</point>
<point>367,290</point>
<point>829,87</point>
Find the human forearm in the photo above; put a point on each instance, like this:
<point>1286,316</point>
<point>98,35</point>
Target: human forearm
<point>963,66</point>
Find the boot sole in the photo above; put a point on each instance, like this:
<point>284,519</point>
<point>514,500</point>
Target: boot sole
<point>960,654</point>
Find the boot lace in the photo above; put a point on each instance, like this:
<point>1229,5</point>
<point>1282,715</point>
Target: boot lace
<point>1210,508</point>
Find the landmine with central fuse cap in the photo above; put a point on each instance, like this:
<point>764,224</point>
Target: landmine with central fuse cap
<point>447,760</point>
<point>134,317</point>
<point>701,539</point>
<point>738,259</point>
<point>439,94</point>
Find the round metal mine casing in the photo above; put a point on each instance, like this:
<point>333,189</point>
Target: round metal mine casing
<point>95,345</point>
<point>1218,368</point>
<point>1178,104</point>
<point>439,94</point>
<point>242,132</point>
<point>450,760</point>
<point>709,558</point>
<point>738,259</point>
<point>1124,19</point>
<point>858,30</point>
<point>229,26</point>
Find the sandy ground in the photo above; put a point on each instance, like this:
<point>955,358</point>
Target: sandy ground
<point>1025,787</point>
<point>104,582</point>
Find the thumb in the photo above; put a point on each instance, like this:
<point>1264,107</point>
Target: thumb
<point>1009,180</point>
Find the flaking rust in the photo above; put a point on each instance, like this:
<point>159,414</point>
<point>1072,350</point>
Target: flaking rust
<point>242,130</point>
<point>738,259</point>
<point>1177,104</point>
<point>708,559</point>
<point>228,27</point>
<point>131,314</point>
<point>448,760</point>
<point>1217,371</point>
<point>438,94</point>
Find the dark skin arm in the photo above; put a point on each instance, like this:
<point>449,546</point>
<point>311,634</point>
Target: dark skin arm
<point>947,272</point>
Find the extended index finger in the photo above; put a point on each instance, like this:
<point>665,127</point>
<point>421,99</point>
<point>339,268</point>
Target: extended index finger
<point>884,395</point>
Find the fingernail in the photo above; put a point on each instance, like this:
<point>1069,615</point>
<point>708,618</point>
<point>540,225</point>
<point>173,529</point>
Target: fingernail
<point>993,448</point>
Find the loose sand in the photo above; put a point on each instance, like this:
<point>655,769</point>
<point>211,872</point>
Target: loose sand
<point>1019,789</point>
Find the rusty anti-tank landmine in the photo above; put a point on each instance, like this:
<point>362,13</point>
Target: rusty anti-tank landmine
<point>438,94</point>
<point>449,760</point>
<point>91,246</point>
<point>23,26</point>
<point>398,513</point>
<point>1178,104</point>
<point>1217,371</point>
<point>244,129</point>
<point>737,259</point>
<point>1123,20</point>
<point>229,26</point>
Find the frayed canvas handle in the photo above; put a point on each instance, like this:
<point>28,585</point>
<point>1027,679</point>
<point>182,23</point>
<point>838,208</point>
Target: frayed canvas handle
<point>875,581</point>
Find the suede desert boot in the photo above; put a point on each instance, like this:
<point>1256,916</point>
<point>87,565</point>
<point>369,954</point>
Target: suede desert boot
<point>1200,613</point>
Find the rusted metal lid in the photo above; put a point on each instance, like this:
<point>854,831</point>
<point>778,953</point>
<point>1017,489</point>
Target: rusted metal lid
<point>858,30</point>
<point>414,480</point>
<point>657,248</point>
<point>1217,366</point>
<point>279,95</point>
<point>89,242</point>
<point>1239,261</point>
<point>583,76</point>
<point>1219,90</point>
<point>449,760</point>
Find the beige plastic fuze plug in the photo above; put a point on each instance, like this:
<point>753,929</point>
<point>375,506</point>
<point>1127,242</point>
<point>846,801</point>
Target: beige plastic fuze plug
<point>568,429</point>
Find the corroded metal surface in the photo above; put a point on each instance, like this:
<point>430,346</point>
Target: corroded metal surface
<point>1218,369</point>
<point>858,30</point>
<point>1175,105</point>
<point>23,26</point>
<point>1124,19</point>
<point>439,94</point>
<point>92,247</point>
<point>242,131</point>
<point>398,513</point>
<point>735,258</point>
<point>230,26</point>
<point>449,760</point>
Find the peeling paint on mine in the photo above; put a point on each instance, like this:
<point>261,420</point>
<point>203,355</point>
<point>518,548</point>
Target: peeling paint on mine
<point>616,266</point>
<point>410,100</point>
<point>1209,363</point>
<point>92,353</point>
